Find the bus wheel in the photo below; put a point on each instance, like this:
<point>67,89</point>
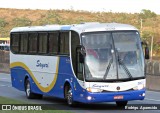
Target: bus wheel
<point>29,94</point>
<point>121,103</point>
<point>69,96</point>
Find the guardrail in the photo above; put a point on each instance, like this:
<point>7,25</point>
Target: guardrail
<point>153,75</point>
<point>153,68</point>
<point>4,61</point>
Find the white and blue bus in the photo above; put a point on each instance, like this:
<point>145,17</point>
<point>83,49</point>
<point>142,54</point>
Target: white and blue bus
<point>88,62</point>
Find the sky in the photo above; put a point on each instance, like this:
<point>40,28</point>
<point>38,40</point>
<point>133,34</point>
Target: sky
<point>128,6</point>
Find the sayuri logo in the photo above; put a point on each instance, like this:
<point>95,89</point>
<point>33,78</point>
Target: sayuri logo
<point>42,65</point>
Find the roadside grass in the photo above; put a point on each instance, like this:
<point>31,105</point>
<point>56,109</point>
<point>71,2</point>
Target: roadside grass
<point>4,100</point>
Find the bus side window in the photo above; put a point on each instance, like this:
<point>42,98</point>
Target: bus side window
<point>64,43</point>
<point>42,42</point>
<point>53,43</point>
<point>24,43</point>
<point>33,43</point>
<point>15,42</point>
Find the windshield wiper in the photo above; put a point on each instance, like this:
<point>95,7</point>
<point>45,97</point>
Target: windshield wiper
<point>124,67</point>
<point>108,68</point>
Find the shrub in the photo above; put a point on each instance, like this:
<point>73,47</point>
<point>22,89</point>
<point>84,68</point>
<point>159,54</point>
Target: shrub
<point>18,22</point>
<point>3,23</point>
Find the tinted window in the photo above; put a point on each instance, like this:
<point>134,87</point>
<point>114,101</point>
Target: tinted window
<point>33,42</point>
<point>53,43</point>
<point>15,42</point>
<point>80,66</point>
<point>74,42</point>
<point>64,43</point>
<point>24,43</point>
<point>42,43</point>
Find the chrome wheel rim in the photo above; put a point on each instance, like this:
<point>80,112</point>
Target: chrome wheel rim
<point>69,96</point>
<point>28,90</point>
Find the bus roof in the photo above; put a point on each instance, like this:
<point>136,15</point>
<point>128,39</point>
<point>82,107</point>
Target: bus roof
<point>83,27</point>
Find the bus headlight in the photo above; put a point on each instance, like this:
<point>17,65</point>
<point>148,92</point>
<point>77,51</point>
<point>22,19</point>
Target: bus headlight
<point>89,98</point>
<point>94,90</point>
<point>139,87</point>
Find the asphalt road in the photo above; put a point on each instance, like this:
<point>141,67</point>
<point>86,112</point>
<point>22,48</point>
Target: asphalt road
<point>6,90</point>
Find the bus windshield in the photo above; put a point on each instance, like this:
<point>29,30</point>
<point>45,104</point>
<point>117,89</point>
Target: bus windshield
<point>113,55</point>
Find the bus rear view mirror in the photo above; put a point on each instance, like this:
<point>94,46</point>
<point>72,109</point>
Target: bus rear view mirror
<point>81,57</point>
<point>82,49</point>
<point>146,53</point>
<point>81,53</point>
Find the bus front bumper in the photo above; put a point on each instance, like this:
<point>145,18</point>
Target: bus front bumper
<point>114,96</point>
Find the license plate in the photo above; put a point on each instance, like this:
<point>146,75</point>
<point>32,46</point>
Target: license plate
<point>118,97</point>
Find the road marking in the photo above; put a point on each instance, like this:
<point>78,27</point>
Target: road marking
<point>152,99</point>
<point>5,85</point>
<point>4,78</point>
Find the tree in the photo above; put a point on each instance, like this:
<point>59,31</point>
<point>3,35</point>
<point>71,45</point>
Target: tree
<point>147,14</point>
<point>146,36</point>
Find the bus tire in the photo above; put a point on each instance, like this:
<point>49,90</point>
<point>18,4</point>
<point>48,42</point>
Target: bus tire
<point>121,103</point>
<point>29,94</point>
<point>69,95</point>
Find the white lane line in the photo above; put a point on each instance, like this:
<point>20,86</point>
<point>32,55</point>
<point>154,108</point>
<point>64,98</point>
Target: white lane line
<point>9,86</point>
<point>152,99</point>
<point>5,85</point>
<point>4,78</point>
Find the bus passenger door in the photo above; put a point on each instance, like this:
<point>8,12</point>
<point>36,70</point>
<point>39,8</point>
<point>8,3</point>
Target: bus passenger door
<point>79,74</point>
<point>80,64</point>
